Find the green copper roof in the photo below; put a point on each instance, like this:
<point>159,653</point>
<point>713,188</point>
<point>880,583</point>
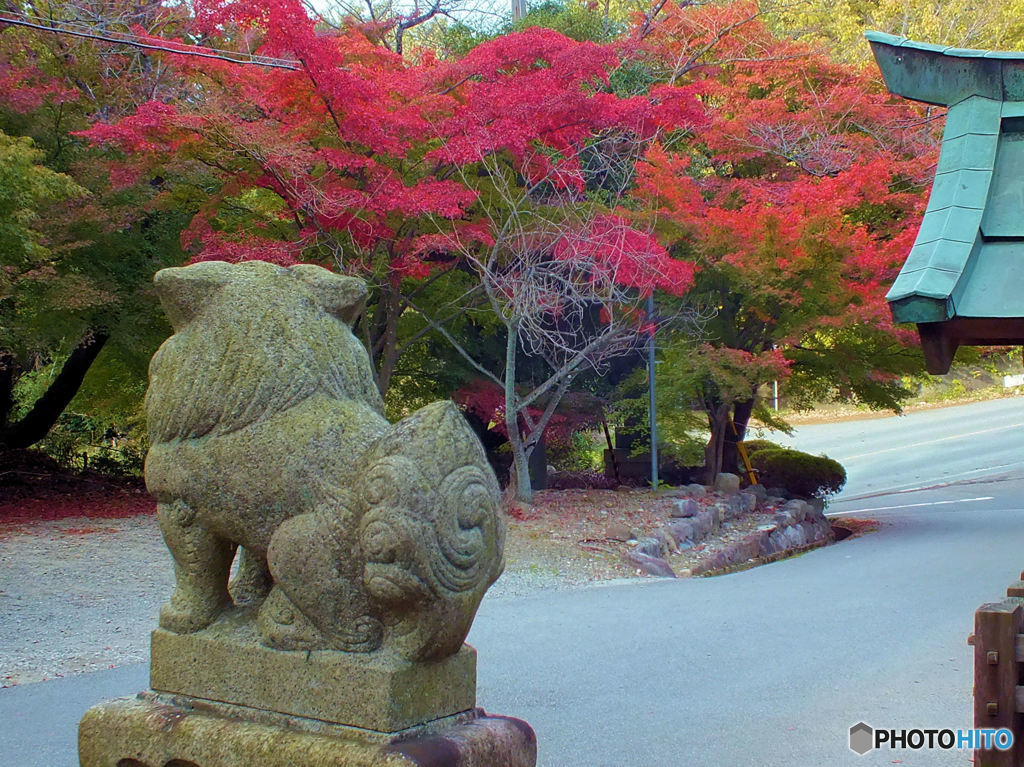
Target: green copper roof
<point>968,259</point>
<point>943,75</point>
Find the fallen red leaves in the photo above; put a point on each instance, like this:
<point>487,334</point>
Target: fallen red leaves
<point>107,503</point>
<point>33,487</point>
<point>585,514</point>
<point>854,526</point>
<point>86,530</point>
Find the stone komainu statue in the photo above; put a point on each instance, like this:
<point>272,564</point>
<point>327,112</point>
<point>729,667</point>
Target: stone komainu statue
<point>268,434</point>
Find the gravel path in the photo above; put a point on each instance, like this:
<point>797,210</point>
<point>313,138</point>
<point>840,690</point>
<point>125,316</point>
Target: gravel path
<point>78,595</point>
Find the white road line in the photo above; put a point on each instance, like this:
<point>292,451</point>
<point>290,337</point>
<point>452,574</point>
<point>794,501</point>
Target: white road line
<point>913,505</point>
<point>1004,427</point>
<point>950,479</point>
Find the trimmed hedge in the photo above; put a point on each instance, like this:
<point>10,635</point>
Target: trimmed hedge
<point>757,445</point>
<point>802,474</point>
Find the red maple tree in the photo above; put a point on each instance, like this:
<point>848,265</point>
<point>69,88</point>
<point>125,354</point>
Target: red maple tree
<point>521,174</point>
<point>402,171</point>
<point>798,200</point>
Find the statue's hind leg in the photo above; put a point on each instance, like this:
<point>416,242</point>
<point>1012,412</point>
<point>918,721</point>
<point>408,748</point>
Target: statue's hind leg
<point>201,565</point>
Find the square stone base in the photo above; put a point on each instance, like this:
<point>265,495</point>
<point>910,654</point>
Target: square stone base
<point>158,731</point>
<point>372,691</point>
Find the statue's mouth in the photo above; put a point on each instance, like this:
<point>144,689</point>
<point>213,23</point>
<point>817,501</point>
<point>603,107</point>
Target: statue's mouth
<point>393,583</point>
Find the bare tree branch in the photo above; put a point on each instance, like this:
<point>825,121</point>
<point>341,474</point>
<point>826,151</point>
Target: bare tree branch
<point>440,328</point>
<point>566,274</point>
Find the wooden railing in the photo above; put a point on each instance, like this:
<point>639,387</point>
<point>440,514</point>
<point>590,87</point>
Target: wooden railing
<point>998,641</point>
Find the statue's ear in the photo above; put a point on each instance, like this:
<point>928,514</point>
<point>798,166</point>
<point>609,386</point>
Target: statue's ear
<point>344,297</point>
<point>183,290</point>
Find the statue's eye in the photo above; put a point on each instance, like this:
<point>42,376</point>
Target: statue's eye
<point>374,495</point>
<point>380,542</point>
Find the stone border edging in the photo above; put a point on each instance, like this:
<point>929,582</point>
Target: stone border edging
<point>777,556</point>
<point>769,545</point>
<point>796,526</point>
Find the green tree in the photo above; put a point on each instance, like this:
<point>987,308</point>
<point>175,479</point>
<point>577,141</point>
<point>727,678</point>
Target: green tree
<point>77,266</point>
<point>31,285</point>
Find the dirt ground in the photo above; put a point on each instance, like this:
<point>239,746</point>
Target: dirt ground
<point>583,529</point>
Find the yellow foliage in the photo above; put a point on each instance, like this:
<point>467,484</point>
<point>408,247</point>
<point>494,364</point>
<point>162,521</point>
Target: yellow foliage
<point>840,24</point>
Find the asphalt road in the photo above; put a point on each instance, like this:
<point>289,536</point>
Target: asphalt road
<point>761,668</point>
<point>923,448</point>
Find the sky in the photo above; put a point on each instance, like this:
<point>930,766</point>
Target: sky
<point>474,13</point>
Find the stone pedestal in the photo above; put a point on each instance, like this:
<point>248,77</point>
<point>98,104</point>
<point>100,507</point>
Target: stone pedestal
<point>372,691</point>
<point>159,731</point>
<point>219,698</point>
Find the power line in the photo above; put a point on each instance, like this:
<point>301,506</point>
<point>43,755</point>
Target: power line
<point>77,29</point>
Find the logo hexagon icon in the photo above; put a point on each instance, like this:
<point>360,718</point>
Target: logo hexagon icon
<point>861,738</point>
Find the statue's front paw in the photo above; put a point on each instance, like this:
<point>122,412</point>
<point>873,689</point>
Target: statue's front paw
<point>283,626</point>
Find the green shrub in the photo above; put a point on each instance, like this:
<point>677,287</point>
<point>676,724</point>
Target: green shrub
<point>757,445</point>
<point>125,461</point>
<point>69,438</point>
<point>78,441</point>
<point>575,453</point>
<point>802,474</point>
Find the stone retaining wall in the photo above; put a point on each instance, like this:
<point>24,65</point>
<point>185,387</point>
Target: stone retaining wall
<point>700,513</point>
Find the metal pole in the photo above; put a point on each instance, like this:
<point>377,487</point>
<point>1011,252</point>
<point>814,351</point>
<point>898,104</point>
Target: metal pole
<point>652,413</point>
<point>775,395</point>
